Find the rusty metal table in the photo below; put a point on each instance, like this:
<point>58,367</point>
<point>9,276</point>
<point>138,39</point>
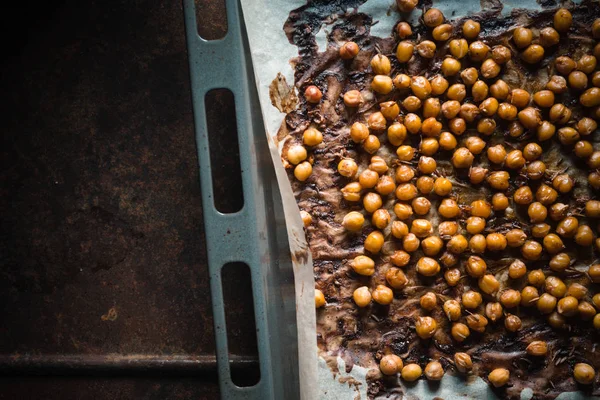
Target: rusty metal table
<point>103,283</point>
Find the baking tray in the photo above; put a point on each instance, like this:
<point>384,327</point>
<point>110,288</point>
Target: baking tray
<point>256,234</point>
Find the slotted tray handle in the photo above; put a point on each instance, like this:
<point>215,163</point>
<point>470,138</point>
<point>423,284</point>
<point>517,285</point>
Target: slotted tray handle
<point>252,235</point>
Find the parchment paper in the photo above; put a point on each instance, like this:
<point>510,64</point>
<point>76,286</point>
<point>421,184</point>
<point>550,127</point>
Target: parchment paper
<point>271,54</point>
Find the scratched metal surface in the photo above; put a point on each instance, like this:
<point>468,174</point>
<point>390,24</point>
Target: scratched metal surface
<point>101,243</point>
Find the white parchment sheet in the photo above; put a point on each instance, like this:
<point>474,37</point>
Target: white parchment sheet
<point>271,54</point>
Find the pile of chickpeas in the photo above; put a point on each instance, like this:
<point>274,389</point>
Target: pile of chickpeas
<point>468,94</point>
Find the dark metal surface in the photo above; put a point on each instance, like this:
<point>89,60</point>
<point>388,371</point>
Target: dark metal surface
<point>101,243</point>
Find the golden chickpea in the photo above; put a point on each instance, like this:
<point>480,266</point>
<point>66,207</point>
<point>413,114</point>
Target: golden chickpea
<point>567,306</point>
<point>531,250</point>
<point>441,33</point>
<point>371,202</point>
<point>383,295</point>
<point>425,184</point>
<point>477,175</point>
<point>404,51</point>
<point>449,208</point>
<point>420,87</point>
<point>381,218</point>
<point>594,273</point>
<point>434,371</point>
<point>376,121</point>
<point>537,348</point>
<point>577,80</point>
<point>530,118</point>
<point>592,208</point>
<point>488,107</point>
<point>381,65</point>
<point>494,311</point>
<point>544,98</point>
<point>312,137</point>
<point>586,64</point>
<point>584,373</point>
<point>426,49</point>
<point>512,323</point>
<point>404,174</point>
<point>501,54</point>
<point>425,327</point>
<point>476,266</point>
<point>481,208</point>
<point>560,114</point>
<point>350,192</point>
<point>396,134</point>
<point>306,218</point>
<point>401,81</point>
<point>522,37</point>
<point>558,211</point>
<point>421,205</point>
<point>428,266</point>
<point>557,84</point>
<point>363,265</point>
<point>353,221</point>
<point>457,126</point>
<point>546,195</point>
<point>563,183</point>
<point>596,300</point>
<point>532,151</point>
<point>303,171</point>
<point>460,332</point>
<point>450,109</point>
<point>590,98</point>
<point>319,299</point>
<point>353,98</point>
<point>549,37</point>
<point>374,242</point>
<point>529,296</point>
<point>462,158</point>
<point>362,296</point>
<point>475,225</point>
<point>411,243</point>
<point>584,236</point>
<point>471,299</point>
<point>378,165</point>
<point>452,276</point>
<point>490,69</point>
<point>586,126</point>
<point>463,362</point>
<point>368,178</point>
<point>371,144</point>
<point>433,17</point>
<point>402,211</point>
<point>406,192</point>
<point>458,48</point>
<point>411,372</point>
<point>536,170</point>
<point>555,286</point>
<point>515,238</point>
<point>488,284</point>
<point>546,303</point>
<point>450,66</point>
<point>349,50</point>
<point>594,179</point>
<point>562,20</point>
<point>431,109</point>
<point>429,146</point>
<point>564,65</point>
<point>596,78</point>
<point>421,228</point>
<point>382,84</point>
<point>557,321</point>
<point>359,132</point>
<point>479,91</point>
<point>313,94</point>
<point>431,127</point>
<point>499,377</point>
<point>452,310</point>
<point>567,227</point>
<point>400,258</point>
<point>586,311</point>
<point>553,244</point>
<point>469,76</point>
<point>406,6</point>
<point>448,228</point>
<point>533,54</point>
<point>439,85</point>
<point>347,167</point>
<point>447,141</point>
<point>457,92</point>
<point>478,51</point>
<point>515,159</point>
<point>428,301</point>
<point>507,111</point>
<point>536,278</point>
<point>596,322</point>
<point>496,242</point>
<point>523,195</point>
<point>499,202</point>
<point>515,129</point>
<point>390,364</point>
<point>457,244</point>
<point>519,98</point>
<point>413,123</point>
<point>389,110</point>
<point>396,278</point>
<point>477,244</point>
<point>296,154</point>
<point>449,259</point>
<point>596,28</point>
<point>385,185</point>
<point>510,298</point>
<point>403,29</point>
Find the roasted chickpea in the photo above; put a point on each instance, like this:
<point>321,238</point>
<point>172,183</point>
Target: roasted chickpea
<point>452,276</point>
<point>494,311</point>
<point>471,299</point>
<point>406,6</point>
<point>351,192</point>
<point>560,114</point>
<point>594,273</point>
<point>374,242</point>
<point>353,221</point>
<point>536,170</point>
<point>499,202</point>
<point>439,84</point>
<point>434,371</point>
<point>403,29</point>
<point>433,17</point>
<point>460,332</point>
<point>477,175</point>
<point>544,98</point>
<point>432,245</point>
<point>515,129</point>
<point>452,310</point>
<point>557,321</point>
<point>349,50</point>
<point>296,154</point>
<point>363,265</point>
<point>385,185</point>
<point>546,303</point>
<point>584,373</point>
<point>567,306</point>
<point>498,180</point>
<point>457,92</point>
<point>533,54</point>
<point>536,278</point>
<point>381,65</point>
<point>457,244</point>
<point>469,76</point>
<point>584,236</point>
<point>404,51</point>
<point>501,54</point>
<point>312,137</point>
<point>396,278</point>
<point>555,286</point>
<point>362,296</point>
<point>425,327</point>
<point>313,94</point>
<point>431,109</point>
<point>586,64</point>
<point>381,218</point>
<point>377,121</point>
<point>510,298</point>
<point>428,266</point>
<point>488,107</point>
<point>486,126</point>
<point>382,84</point>
<point>406,191</point>
<point>490,69</point>
<point>476,267</point>
<point>477,244</point>
<point>303,171</point>
<point>567,227</point>
<point>576,290</point>
<point>475,225</point>
<point>402,81</point>
<point>512,323</point>
<point>449,208</point>
<point>529,296</point>
<point>522,37</point>
<point>462,158</point>
<point>479,91</point>
<point>515,238</point>
<point>586,126</point>
<point>478,51</point>
<point>359,132</point>
<point>429,146</point>
<point>390,110</point>
<point>441,33</point>
<point>577,80</point>
<point>448,228</point>
<point>425,184</point>
<point>507,112</point>
<point>475,144</point>
<point>390,364</point>
<point>421,228</point>
<point>557,84</point>
<point>549,37</point>
<point>426,49</point>
<point>546,195</point>
<point>562,20</point>
<point>471,29</point>
<point>531,250</point>
<point>400,258</point>
<point>402,211</point>
<point>477,322</point>
<point>431,127</point>
<point>447,141</point>
<point>449,259</point>
<point>586,311</point>
<point>553,243</point>
<point>411,372</point>
<point>592,208</point>
<point>405,153</point>
<point>372,202</point>
<point>488,283</point>
<point>458,48</point>
<point>382,295</point>
<point>457,126</point>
